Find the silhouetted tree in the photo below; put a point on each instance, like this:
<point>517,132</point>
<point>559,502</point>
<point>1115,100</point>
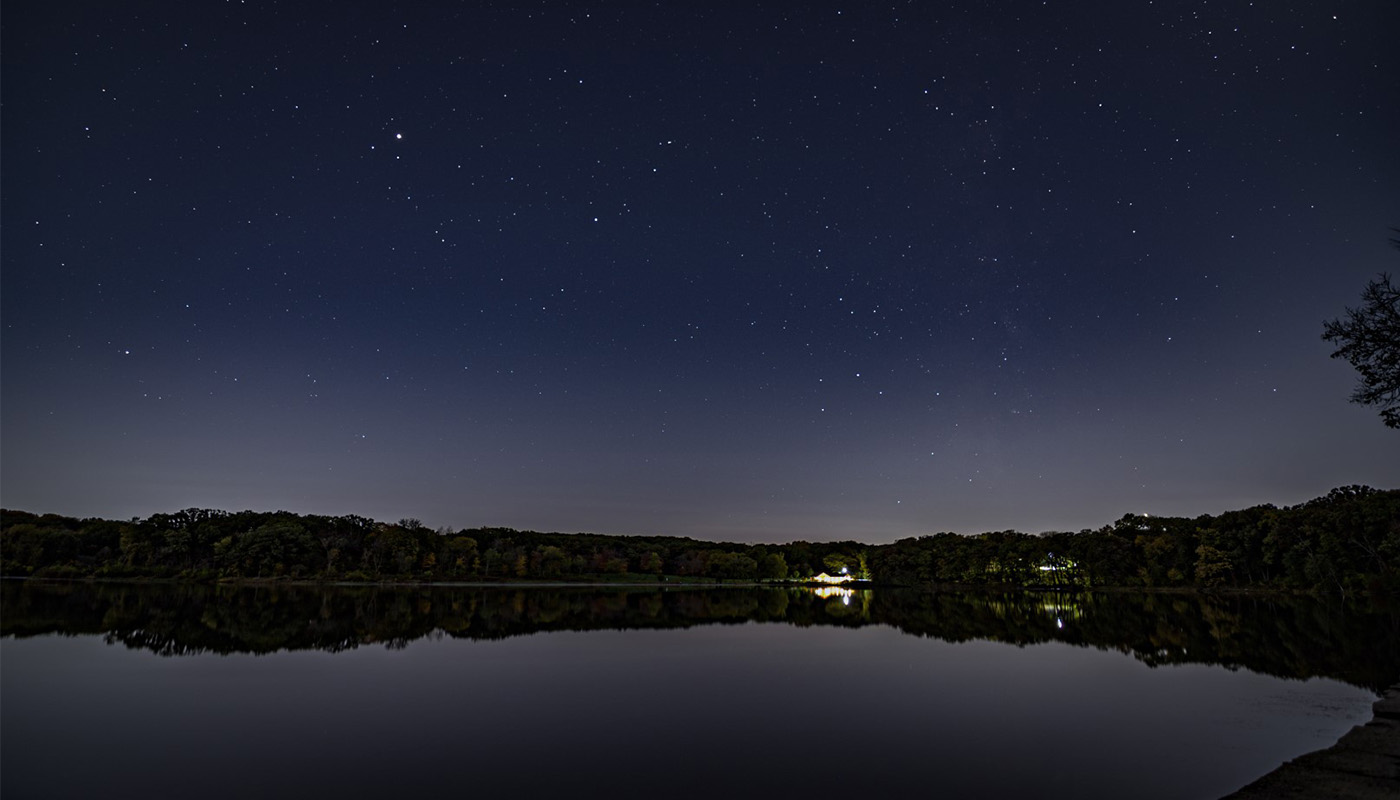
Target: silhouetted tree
<point>1369,338</point>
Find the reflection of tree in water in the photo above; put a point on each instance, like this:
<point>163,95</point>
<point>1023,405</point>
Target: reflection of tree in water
<point>1277,635</point>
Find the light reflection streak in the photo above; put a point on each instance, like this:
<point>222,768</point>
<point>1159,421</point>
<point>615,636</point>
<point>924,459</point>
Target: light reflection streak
<point>835,591</point>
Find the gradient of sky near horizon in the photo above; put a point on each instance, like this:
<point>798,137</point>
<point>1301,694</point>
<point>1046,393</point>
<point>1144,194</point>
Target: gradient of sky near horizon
<point>751,271</point>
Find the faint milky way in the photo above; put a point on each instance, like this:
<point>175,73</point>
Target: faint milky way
<point>772,272</point>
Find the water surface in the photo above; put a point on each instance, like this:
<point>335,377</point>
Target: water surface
<point>141,691</point>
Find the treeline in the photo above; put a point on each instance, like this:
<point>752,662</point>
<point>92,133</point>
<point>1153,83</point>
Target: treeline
<point>203,544</point>
<point>1347,542</point>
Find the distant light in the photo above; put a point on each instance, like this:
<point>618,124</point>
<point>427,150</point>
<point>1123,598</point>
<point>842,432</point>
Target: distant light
<point>398,136</point>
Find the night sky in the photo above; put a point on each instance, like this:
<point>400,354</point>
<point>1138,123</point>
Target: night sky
<point>740,271</point>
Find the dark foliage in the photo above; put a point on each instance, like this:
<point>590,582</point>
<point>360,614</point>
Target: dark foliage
<point>1369,339</point>
<point>1345,543</point>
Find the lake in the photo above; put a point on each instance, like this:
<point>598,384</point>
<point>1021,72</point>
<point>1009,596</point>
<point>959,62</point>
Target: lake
<point>290,691</point>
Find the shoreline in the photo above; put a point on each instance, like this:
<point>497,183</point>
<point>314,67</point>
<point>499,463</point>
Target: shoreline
<point>672,581</point>
<point>1363,765</point>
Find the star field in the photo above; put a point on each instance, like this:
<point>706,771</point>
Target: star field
<point>767,272</point>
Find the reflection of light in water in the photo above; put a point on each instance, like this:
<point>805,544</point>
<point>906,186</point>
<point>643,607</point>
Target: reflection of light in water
<point>1061,609</point>
<point>835,591</point>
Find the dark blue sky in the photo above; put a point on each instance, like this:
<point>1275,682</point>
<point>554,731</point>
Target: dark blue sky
<point>751,272</point>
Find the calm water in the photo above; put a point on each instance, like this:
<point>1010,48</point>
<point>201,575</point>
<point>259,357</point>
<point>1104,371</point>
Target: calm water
<point>132,691</point>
